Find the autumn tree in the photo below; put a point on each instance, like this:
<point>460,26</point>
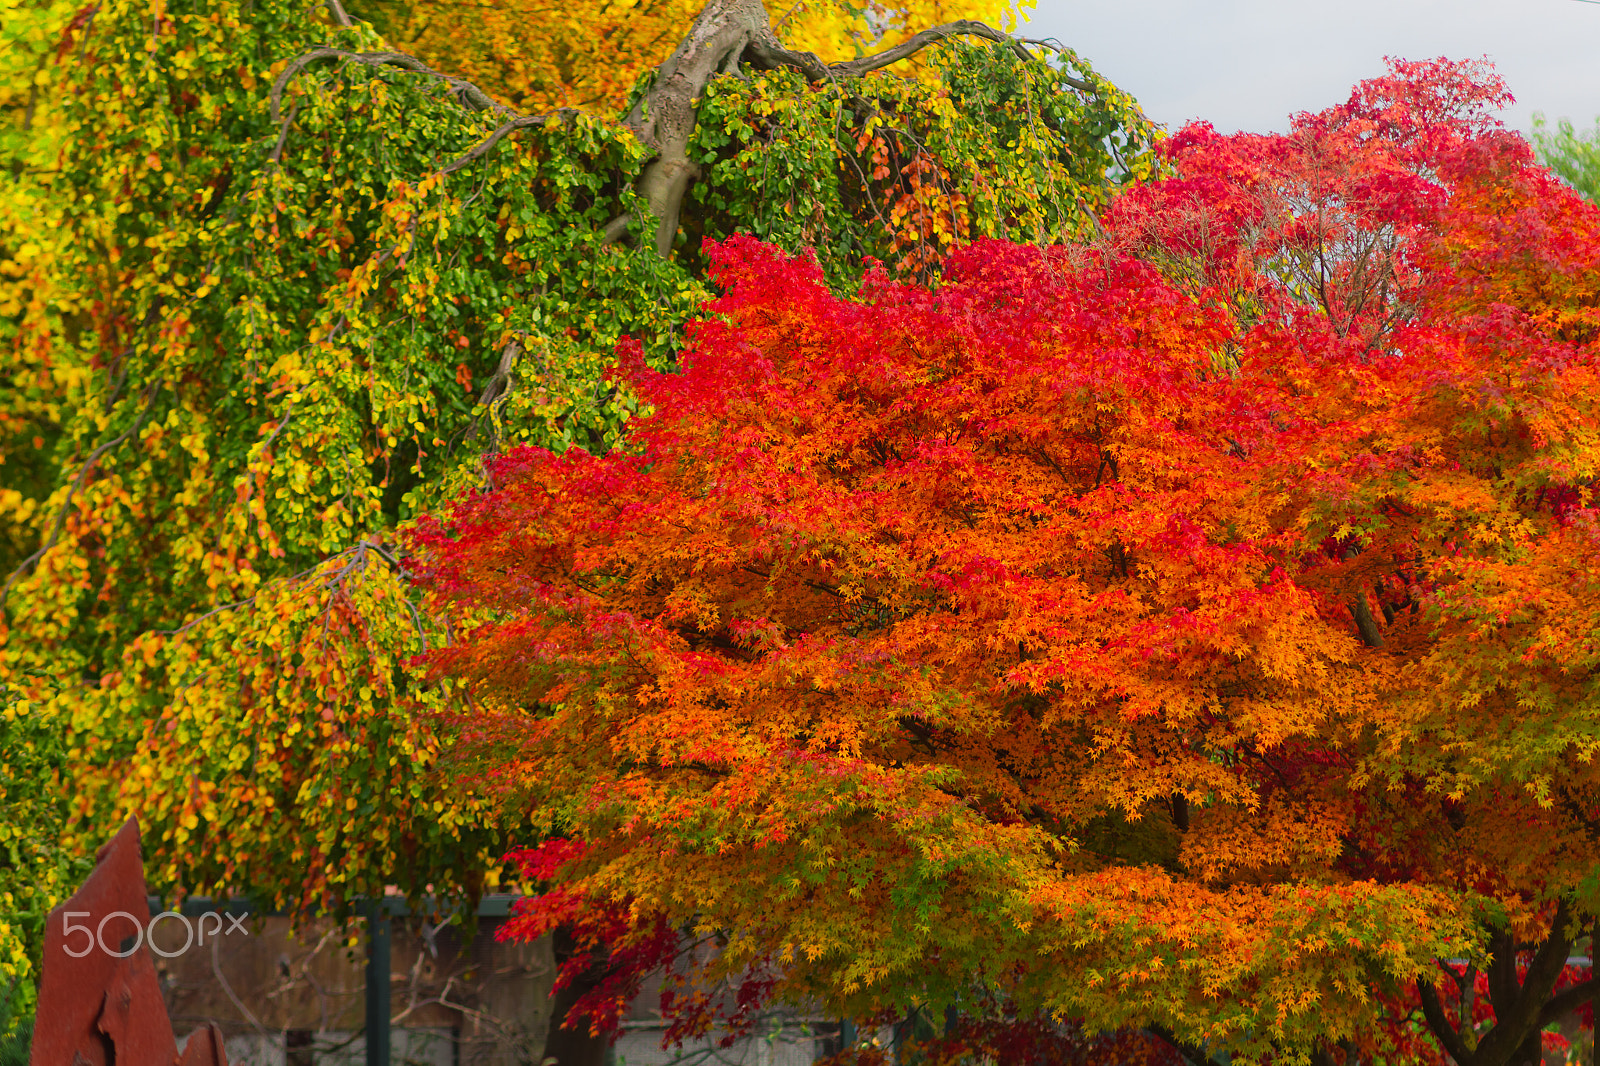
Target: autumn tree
<point>1192,631</point>
<point>536,54</point>
<point>269,286</point>
<point>36,868</point>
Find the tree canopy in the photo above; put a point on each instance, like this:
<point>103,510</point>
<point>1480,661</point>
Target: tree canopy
<point>1570,153</point>
<point>269,287</point>
<point>1190,629</point>
<point>534,55</point>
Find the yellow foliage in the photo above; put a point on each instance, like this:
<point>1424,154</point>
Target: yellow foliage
<point>540,54</point>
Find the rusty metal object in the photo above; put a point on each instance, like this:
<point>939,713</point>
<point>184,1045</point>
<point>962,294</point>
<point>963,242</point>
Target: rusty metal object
<point>204,1048</point>
<point>99,998</point>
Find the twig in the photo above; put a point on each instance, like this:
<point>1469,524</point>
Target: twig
<point>305,972</point>
<point>769,53</point>
<point>357,562</point>
<point>276,155</point>
<point>789,14</point>
<point>191,623</point>
<point>520,123</point>
<point>216,970</point>
<point>399,569</point>
<point>283,421</point>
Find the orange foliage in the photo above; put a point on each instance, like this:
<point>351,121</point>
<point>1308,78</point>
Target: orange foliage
<point>1193,630</point>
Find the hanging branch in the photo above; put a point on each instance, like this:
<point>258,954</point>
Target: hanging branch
<point>27,565</point>
<point>466,93</point>
<point>726,34</point>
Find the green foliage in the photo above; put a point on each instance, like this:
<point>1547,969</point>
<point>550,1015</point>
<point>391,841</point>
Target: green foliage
<point>1573,155</point>
<point>258,319</point>
<point>902,169</point>
<point>285,334</point>
<point>32,34</point>
<point>36,872</point>
<point>15,1046</point>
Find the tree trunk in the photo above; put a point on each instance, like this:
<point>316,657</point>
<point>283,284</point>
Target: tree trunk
<point>726,34</point>
<point>1522,1008</point>
<point>573,1046</point>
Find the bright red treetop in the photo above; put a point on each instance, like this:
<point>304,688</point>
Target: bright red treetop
<point>1165,632</point>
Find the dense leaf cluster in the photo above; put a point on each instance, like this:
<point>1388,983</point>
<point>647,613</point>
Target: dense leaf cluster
<point>1192,629</point>
<point>268,290</point>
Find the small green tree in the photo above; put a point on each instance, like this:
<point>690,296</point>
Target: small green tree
<point>1574,156</point>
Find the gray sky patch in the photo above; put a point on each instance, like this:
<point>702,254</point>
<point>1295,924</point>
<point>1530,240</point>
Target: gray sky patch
<point>1249,64</point>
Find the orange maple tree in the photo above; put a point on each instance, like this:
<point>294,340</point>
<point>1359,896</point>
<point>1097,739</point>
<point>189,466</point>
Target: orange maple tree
<point>1194,630</point>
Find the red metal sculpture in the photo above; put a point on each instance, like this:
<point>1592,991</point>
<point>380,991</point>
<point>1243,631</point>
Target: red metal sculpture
<point>99,998</point>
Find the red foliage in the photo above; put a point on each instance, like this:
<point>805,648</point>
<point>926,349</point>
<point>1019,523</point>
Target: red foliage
<point>1186,630</point>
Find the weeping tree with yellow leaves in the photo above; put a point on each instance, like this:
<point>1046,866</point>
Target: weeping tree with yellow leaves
<point>272,282</point>
<point>538,54</point>
<point>35,868</point>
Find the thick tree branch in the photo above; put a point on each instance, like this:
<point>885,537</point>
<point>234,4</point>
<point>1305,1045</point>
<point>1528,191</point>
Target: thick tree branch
<point>1467,984</point>
<point>1594,996</point>
<point>1566,1001</point>
<point>522,122</point>
<point>725,34</point>
<point>664,118</point>
<point>1439,1023</point>
<point>1366,625</point>
<point>1361,610</point>
<point>616,229</point>
<point>1502,972</point>
<point>502,374</point>
<point>466,93</point>
<point>1321,1056</point>
<point>1512,1027</point>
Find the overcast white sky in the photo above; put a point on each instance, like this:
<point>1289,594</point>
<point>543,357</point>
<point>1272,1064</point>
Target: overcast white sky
<point>1249,64</point>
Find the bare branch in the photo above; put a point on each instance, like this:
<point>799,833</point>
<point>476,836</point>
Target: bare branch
<point>1566,1001</point>
<point>276,155</point>
<point>283,421</point>
<point>520,123</point>
<point>1439,1023</point>
<point>466,93</point>
<point>191,623</point>
<point>339,14</point>
<point>244,1012</point>
<point>356,562</point>
<point>616,230</point>
<point>767,52</point>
